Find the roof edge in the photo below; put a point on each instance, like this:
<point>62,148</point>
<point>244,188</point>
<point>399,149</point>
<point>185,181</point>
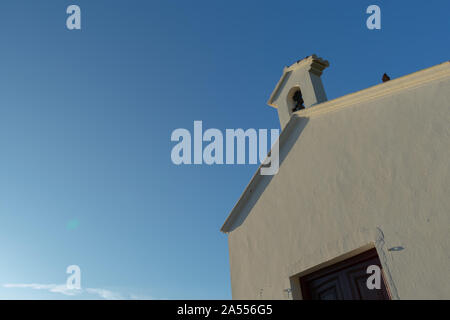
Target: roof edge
<point>409,81</point>
<point>285,133</point>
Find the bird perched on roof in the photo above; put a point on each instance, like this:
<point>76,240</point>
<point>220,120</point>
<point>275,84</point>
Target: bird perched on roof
<point>385,78</point>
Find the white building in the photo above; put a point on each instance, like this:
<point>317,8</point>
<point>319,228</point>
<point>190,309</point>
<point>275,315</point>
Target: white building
<point>364,180</point>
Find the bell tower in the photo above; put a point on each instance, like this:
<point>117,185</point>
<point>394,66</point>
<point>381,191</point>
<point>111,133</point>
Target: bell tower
<point>300,87</point>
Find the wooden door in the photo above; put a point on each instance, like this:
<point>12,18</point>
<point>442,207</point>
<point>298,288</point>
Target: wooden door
<point>345,280</point>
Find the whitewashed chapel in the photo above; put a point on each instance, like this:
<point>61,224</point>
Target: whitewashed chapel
<point>364,180</point>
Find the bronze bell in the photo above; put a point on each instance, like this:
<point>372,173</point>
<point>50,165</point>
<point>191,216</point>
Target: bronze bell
<point>298,99</point>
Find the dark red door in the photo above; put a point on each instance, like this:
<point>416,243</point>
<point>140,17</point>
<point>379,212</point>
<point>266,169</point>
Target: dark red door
<point>345,280</point>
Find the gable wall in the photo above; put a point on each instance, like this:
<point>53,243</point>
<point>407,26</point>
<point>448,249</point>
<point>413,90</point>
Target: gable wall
<point>372,174</point>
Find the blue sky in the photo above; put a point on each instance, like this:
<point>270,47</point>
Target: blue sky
<point>86,116</point>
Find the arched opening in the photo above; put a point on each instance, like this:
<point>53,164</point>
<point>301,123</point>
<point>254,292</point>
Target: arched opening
<point>295,99</point>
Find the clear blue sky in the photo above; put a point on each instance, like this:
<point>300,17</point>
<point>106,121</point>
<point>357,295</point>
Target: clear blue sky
<point>86,116</point>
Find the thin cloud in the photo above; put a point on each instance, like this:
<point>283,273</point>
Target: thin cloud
<point>105,294</point>
<point>62,289</point>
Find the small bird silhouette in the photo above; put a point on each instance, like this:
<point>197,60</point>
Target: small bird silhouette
<point>385,78</point>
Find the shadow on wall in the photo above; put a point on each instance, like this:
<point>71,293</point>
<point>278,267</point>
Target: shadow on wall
<point>287,139</point>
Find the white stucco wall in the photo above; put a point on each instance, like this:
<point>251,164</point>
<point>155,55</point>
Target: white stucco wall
<point>376,173</point>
